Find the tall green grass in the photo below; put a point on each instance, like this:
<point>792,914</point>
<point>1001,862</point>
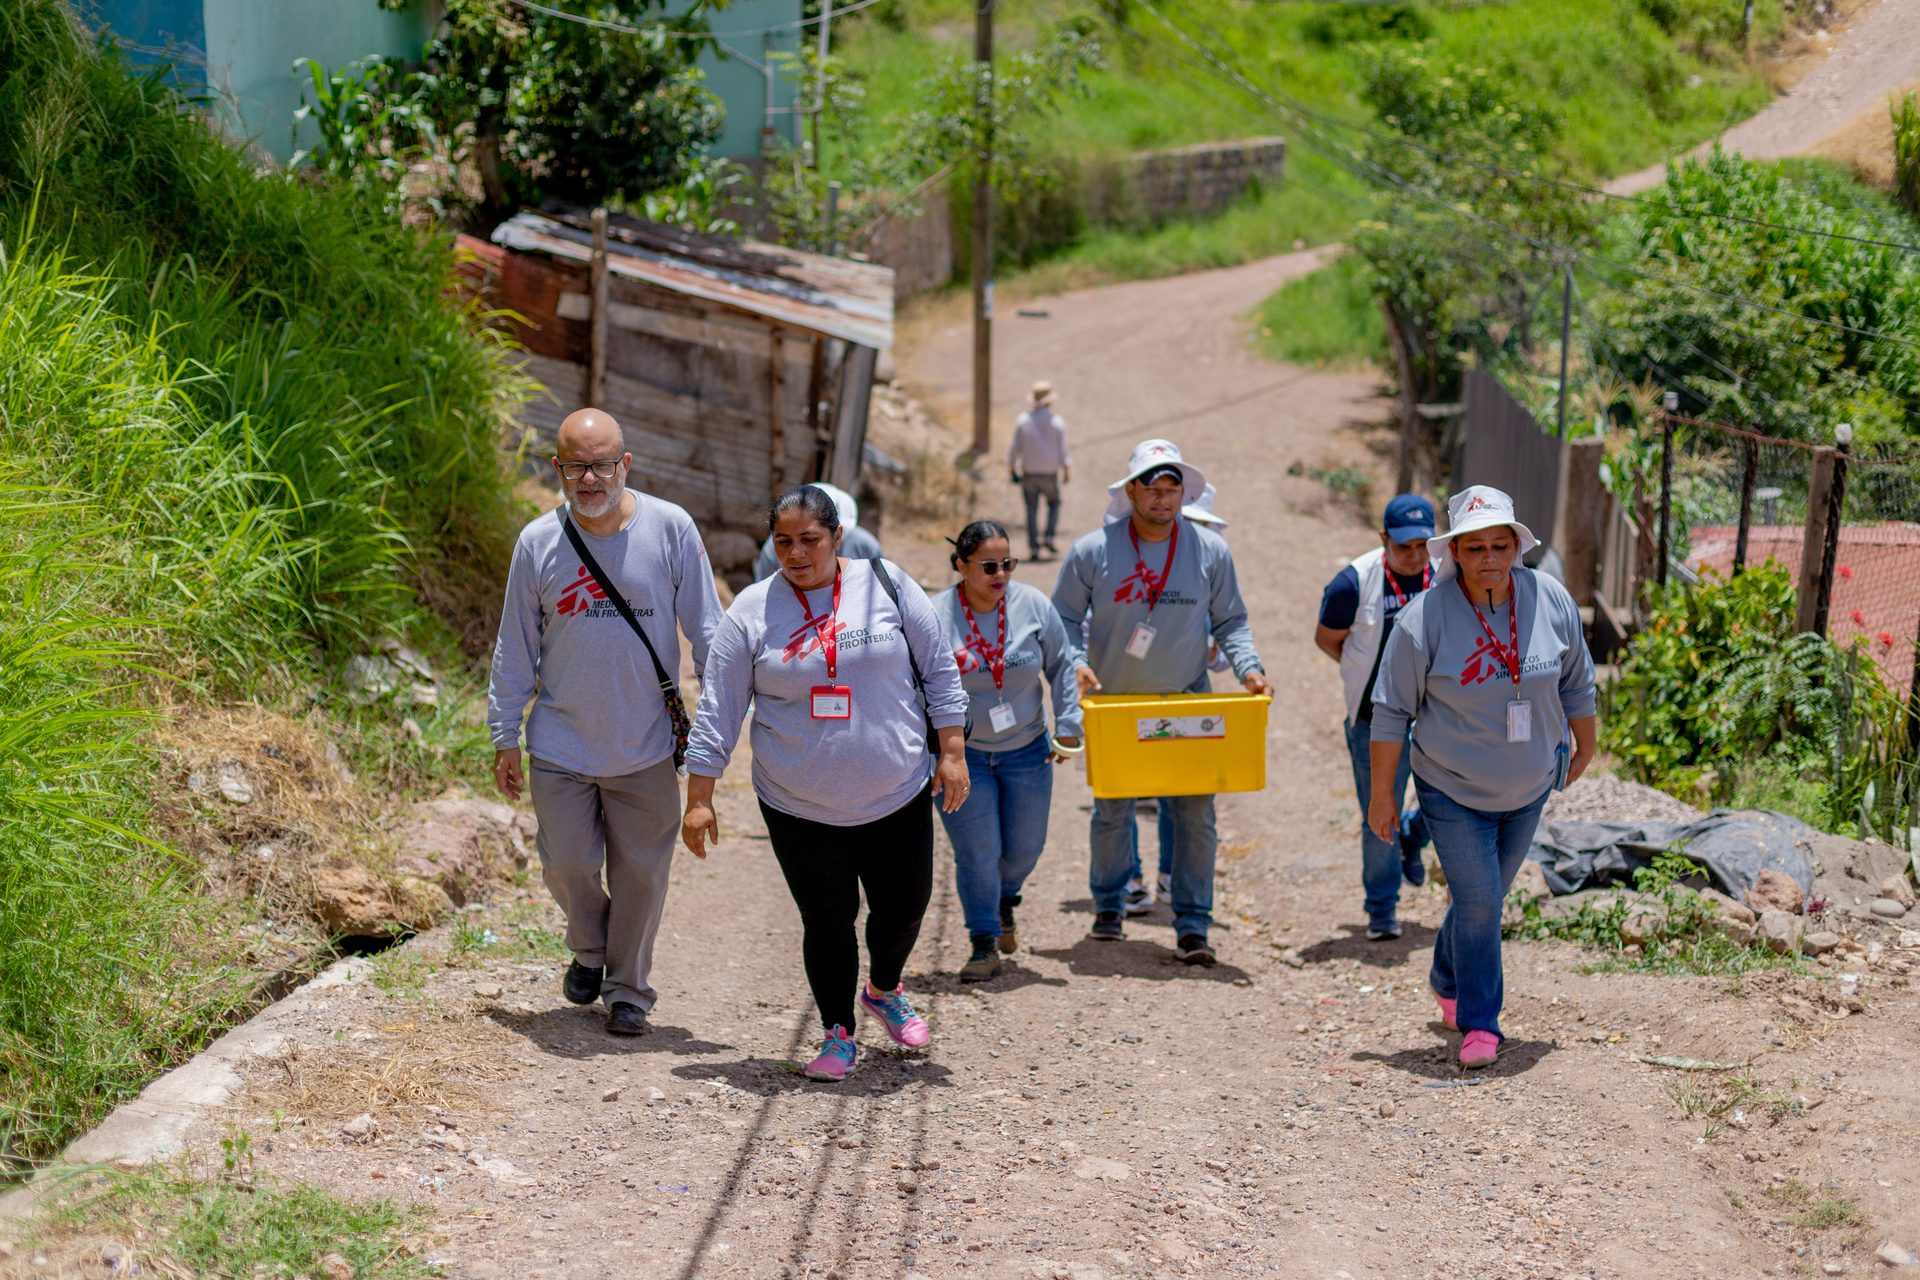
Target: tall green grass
<point>241,424</point>
<point>1330,317</point>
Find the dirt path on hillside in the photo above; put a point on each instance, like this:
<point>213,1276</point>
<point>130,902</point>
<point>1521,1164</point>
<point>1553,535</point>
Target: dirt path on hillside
<point>1874,55</point>
<point>1098,1110</point>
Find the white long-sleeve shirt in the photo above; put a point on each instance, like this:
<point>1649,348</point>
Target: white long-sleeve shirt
<point>1039,443</point>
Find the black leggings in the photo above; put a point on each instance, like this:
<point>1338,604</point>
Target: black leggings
<point>826,867</point>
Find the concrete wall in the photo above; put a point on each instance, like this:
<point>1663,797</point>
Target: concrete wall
<point>1184,182</point>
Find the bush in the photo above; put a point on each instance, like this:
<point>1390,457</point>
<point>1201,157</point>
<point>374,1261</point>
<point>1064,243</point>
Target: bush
<point>1906,152</point>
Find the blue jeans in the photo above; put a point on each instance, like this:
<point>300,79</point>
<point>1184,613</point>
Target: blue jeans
<point>1481,853</point>
<point>1380,869</point>
<point>999,832</point>
<point>1194,846</point>
<point>1168,839</point>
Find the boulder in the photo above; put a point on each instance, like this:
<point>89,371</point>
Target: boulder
<point>352,902</point>
<point>1900,889</point>
<point>1775,891</point>
<point>1728,909</point>
<point>1819,942</point>
<point>462,844</point>
<point>1887,908</point>
<point>1780,930</point>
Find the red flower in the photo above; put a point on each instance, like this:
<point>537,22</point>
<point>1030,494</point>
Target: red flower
<point>1884,637</point>
<point>1845,572</point>
<point>1859,618</point>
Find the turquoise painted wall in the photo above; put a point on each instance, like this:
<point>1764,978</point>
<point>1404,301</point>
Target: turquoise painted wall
<point>156,31</point>
<point>739,83</point>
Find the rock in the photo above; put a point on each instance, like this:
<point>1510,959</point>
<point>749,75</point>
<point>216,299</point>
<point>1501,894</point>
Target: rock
<point>1733,929</point>
<point>6,1248</point>
<point>1218,1166</point>
<point>234,785</point>
<point>907,1185</point>
<point>398,671</point>
<point>352,902</point>
<point>1833,1267</point>
<point>1775,891</point>
<point>1892,1255</point>
<point>1780,930</point>
<point>731,551</point>
<point>611,1095</point>
<point>1728,909</point>
<point>1900,889</point>
<point>656,1095</point>
<point>1173,1249</point>
<point>1819,942</point>
<point>1102,1169</point>
<point>501,1171</point>
<point>116,1256</point>
<point>463,844</point>
<point>1530,884</point>
<point>420,904</point>
<point>488,990</point>
<point>1640,925</point>
<point>334,1266</point>
<point>1386,1109</point>
<point>1887,908</point>
<point>360,1128</point>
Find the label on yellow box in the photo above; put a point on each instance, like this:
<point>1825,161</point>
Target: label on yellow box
<point>1160,728</point>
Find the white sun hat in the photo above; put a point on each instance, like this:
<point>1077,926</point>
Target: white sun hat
<point>1475,507</point>
<point>1200,511</point>
<point>1151,454</point>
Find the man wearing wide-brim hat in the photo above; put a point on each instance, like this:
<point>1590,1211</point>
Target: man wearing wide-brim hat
<point>1140,597</point>
<point>1040,463</point>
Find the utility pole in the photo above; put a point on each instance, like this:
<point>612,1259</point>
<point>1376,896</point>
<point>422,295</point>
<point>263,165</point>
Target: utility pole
<point>1566,336</point>
<point>983,229</point>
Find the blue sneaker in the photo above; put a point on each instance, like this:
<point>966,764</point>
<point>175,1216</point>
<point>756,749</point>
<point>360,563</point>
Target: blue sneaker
<point>896,1013</point>
<point>835,1062</point>
<point>1414,839</point>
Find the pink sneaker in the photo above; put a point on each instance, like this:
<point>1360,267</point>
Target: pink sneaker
<point>835,1062</point>
<point>1449,1012</point>
<point>895,1011</point>
<point>1479,1049</point>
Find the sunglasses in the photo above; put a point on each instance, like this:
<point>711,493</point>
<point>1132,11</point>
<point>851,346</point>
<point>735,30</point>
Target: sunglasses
<point>991,567</point>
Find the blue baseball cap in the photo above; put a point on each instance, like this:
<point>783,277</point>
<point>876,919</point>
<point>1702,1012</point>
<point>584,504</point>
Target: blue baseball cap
<point>1409,516</point>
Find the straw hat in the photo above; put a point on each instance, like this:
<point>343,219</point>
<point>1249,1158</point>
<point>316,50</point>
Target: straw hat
<point>1042,393</point>
<point>1475,507</point>
<point>1151,455</point>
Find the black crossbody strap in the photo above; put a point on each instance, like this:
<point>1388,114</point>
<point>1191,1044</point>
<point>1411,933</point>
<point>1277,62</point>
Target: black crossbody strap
<point>619,601</point>
<point>893,594</point>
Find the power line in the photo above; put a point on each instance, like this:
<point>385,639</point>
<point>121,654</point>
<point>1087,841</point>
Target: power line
<point>661,31</point>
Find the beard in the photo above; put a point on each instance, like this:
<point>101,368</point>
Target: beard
<point>595,505</point>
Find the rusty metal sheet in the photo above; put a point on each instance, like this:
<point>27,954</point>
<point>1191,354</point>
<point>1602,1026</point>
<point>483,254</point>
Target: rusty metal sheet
<point>849,300</point>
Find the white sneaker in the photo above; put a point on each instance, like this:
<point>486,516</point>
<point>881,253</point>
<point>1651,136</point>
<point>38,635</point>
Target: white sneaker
<point>1139,898</point>
<point>1166,886</point>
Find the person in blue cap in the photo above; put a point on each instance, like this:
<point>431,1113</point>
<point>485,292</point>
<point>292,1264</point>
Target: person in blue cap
<point>1357,610</point>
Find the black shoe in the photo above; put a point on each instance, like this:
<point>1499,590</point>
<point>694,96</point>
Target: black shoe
<point>983,964</point>
<point>626,1019</point>
<point>1108,927</point>
<point>1193,948</point>
<point>1009,931</point>
<point>582,985</point>
<point>1383,931</point>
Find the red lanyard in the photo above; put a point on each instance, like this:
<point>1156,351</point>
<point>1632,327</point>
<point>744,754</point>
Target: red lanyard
<point>828,632</point>
<point>1510,659</point>
<point>1426,580</point>
<point>997,660</point>
<point>1140,560</point>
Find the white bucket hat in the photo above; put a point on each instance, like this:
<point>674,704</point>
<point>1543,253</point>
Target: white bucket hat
<point>1149,454</point>
<point>1200,511</point>
<point>1475,507</point>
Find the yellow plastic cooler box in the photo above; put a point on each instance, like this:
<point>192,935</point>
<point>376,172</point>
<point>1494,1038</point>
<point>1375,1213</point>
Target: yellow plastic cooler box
<point>1175,744</point>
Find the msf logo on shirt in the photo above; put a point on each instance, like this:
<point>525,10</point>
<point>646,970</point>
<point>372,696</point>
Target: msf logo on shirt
<point>975,655</point>
<point>807,637</point>
<point>1142,584</point>
<point>1483,664</point>
<point>580,595</point>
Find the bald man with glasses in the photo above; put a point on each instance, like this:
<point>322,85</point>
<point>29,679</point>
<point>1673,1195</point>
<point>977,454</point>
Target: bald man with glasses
<point>588,637</point>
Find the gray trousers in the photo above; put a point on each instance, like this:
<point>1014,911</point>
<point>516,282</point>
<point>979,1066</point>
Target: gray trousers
<point>1034,486</point>
<point>624,826</point>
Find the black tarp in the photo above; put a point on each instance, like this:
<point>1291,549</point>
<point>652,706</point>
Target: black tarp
<point>1734,845</point>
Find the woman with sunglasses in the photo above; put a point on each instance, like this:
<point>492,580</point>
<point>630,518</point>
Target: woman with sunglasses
<point>1009,644</point>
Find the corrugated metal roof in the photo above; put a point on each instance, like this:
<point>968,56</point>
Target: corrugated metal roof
<point>834,296</point>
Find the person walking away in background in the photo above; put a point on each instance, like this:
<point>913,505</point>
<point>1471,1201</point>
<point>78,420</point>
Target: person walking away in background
<point>1357,611</point>
<point>587,635</point>
<point>1010,646</point>
<point>857,714</point>
<point>1145,629</point>
<point>1040,462</point>
<point>856,543</point>
<point>1490,667</point>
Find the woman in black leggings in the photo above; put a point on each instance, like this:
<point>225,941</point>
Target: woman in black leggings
<point>848,751</point>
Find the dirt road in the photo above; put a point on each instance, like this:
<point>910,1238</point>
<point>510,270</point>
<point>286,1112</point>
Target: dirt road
<point>1098,1110</point>
<point>1876,54</point>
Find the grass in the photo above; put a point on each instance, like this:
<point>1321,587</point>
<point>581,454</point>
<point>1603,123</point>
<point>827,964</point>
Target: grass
<point>1329,319</point>
<point>228,1226</point>
<point>239,423</point>
<point>1816,1212</point>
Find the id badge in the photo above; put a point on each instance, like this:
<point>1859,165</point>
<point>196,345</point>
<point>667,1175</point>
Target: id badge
<point>1141,642</point>
<point>1001,717</point>
<point>832,702</point>
<point>1519,722</point>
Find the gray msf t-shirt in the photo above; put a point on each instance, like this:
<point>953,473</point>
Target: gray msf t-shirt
<point>1038,654</point>
<point>1439,672</point>
<point>843,772</point>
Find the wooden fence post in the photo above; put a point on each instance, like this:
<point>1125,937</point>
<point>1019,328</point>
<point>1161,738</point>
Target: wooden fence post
<point>1578,515</point>
<point>1836,514</point>
<point>1665,551</point>
<point>1814,545</point>
<point>1409,419</point>
<point>1747,477</point>
<point>597,331</point>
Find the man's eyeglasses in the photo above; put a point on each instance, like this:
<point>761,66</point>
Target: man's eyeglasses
<point>991,567</point>
<point>604,468</point>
